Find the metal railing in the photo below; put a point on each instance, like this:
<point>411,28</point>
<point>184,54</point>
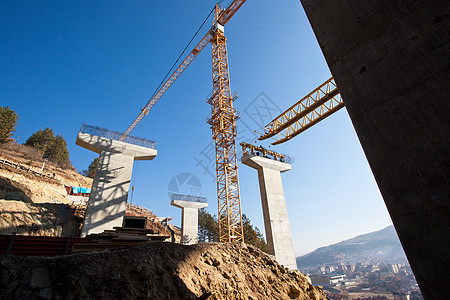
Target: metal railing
<point>260,151</point>
<point>27,169</point>
<point>115,135</point>
<point>188,198</point>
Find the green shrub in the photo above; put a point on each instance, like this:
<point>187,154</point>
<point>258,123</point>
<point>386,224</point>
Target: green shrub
<point>8,120</point>
<point>53,147</point>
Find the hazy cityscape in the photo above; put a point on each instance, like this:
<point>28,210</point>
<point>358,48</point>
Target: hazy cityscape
<point>368,266</point>
<point>367,280</point>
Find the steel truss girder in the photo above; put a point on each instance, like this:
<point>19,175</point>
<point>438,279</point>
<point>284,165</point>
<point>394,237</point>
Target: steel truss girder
<point>313,108</point>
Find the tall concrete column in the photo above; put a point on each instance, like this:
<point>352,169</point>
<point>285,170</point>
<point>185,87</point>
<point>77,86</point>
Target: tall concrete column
<point>108,199</point>
<point>276,221</point>
<point>391,62</point>
<point>189,220</point>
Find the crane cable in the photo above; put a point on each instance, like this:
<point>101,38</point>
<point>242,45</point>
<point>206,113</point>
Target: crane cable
<point>184,50</point>
<point>162,81</point>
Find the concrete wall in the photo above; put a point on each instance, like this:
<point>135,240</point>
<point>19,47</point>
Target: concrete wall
<point>276,221</point>
<point>391,62</point>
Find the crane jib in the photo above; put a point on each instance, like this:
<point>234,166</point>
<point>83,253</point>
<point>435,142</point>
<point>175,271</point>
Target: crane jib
<point>223,19</point>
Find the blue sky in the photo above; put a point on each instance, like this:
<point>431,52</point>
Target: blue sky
<point>64,63</point>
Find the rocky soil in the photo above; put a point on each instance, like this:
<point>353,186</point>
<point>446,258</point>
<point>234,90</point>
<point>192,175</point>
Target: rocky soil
<point>155,271</point>
<point>34,205</point>
<point>43,219</point>
<point>39,189</point>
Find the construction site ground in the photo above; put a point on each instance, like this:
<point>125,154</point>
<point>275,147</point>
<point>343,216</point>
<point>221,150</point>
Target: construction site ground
<point>159,270</point>
<point>38,205</point>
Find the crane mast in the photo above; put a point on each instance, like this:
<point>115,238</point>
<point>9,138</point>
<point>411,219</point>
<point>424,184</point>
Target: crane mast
<point>222,120</point>
<point>223,124</point>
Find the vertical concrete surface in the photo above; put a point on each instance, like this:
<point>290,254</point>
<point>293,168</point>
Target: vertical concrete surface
<point>276,221</point>
<point>189,220</point>
<point>391,62</point>
<point>108,199</point>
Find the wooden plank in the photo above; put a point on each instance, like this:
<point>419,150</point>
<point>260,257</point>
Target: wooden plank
<point>160,237</point>
<point>131,238</point>
<point>136,230</point>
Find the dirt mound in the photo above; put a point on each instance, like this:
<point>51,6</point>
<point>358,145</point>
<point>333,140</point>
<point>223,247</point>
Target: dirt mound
<point>155,271</point>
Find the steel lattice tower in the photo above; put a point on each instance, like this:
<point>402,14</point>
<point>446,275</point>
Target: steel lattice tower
<point>223,124</point>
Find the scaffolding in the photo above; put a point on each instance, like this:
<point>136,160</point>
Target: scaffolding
<point>260,151</point>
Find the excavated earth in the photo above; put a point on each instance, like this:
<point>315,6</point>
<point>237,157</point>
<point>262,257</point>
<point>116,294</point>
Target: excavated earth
<point>159,270</point>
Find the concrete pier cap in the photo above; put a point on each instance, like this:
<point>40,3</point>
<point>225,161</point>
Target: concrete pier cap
<point>189,219</point>
<point>276,221</point>
<point>98,144</point>
<point>108,198</point>
<point>258,162</point>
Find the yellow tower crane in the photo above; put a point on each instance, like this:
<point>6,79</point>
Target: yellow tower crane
<point>222,121</point>
<point>223,124</point>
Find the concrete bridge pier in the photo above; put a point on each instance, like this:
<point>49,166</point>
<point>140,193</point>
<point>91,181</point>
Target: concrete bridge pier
<point>189,220</point>
<point>276,221</point>
<point>107,202</point>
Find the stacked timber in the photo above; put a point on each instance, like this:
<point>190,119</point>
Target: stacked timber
<point>120,237</point>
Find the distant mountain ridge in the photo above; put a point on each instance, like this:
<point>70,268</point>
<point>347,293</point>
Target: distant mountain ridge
<point>382,245</point>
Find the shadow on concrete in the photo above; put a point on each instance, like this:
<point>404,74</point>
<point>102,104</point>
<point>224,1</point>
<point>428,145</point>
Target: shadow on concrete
<point>109,201</point>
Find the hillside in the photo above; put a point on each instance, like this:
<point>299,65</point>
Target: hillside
<point>40,189</point>
<point>31,204</point>
<point>382,245</point>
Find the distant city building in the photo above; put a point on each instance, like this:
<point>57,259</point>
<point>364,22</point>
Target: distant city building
<point>393,268</point>
<point>327,280</point>
<point>351,269</point>
<point>341,268</point>
<point>370,277</point>
<point>322,280</point>
<point>336,279</point>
